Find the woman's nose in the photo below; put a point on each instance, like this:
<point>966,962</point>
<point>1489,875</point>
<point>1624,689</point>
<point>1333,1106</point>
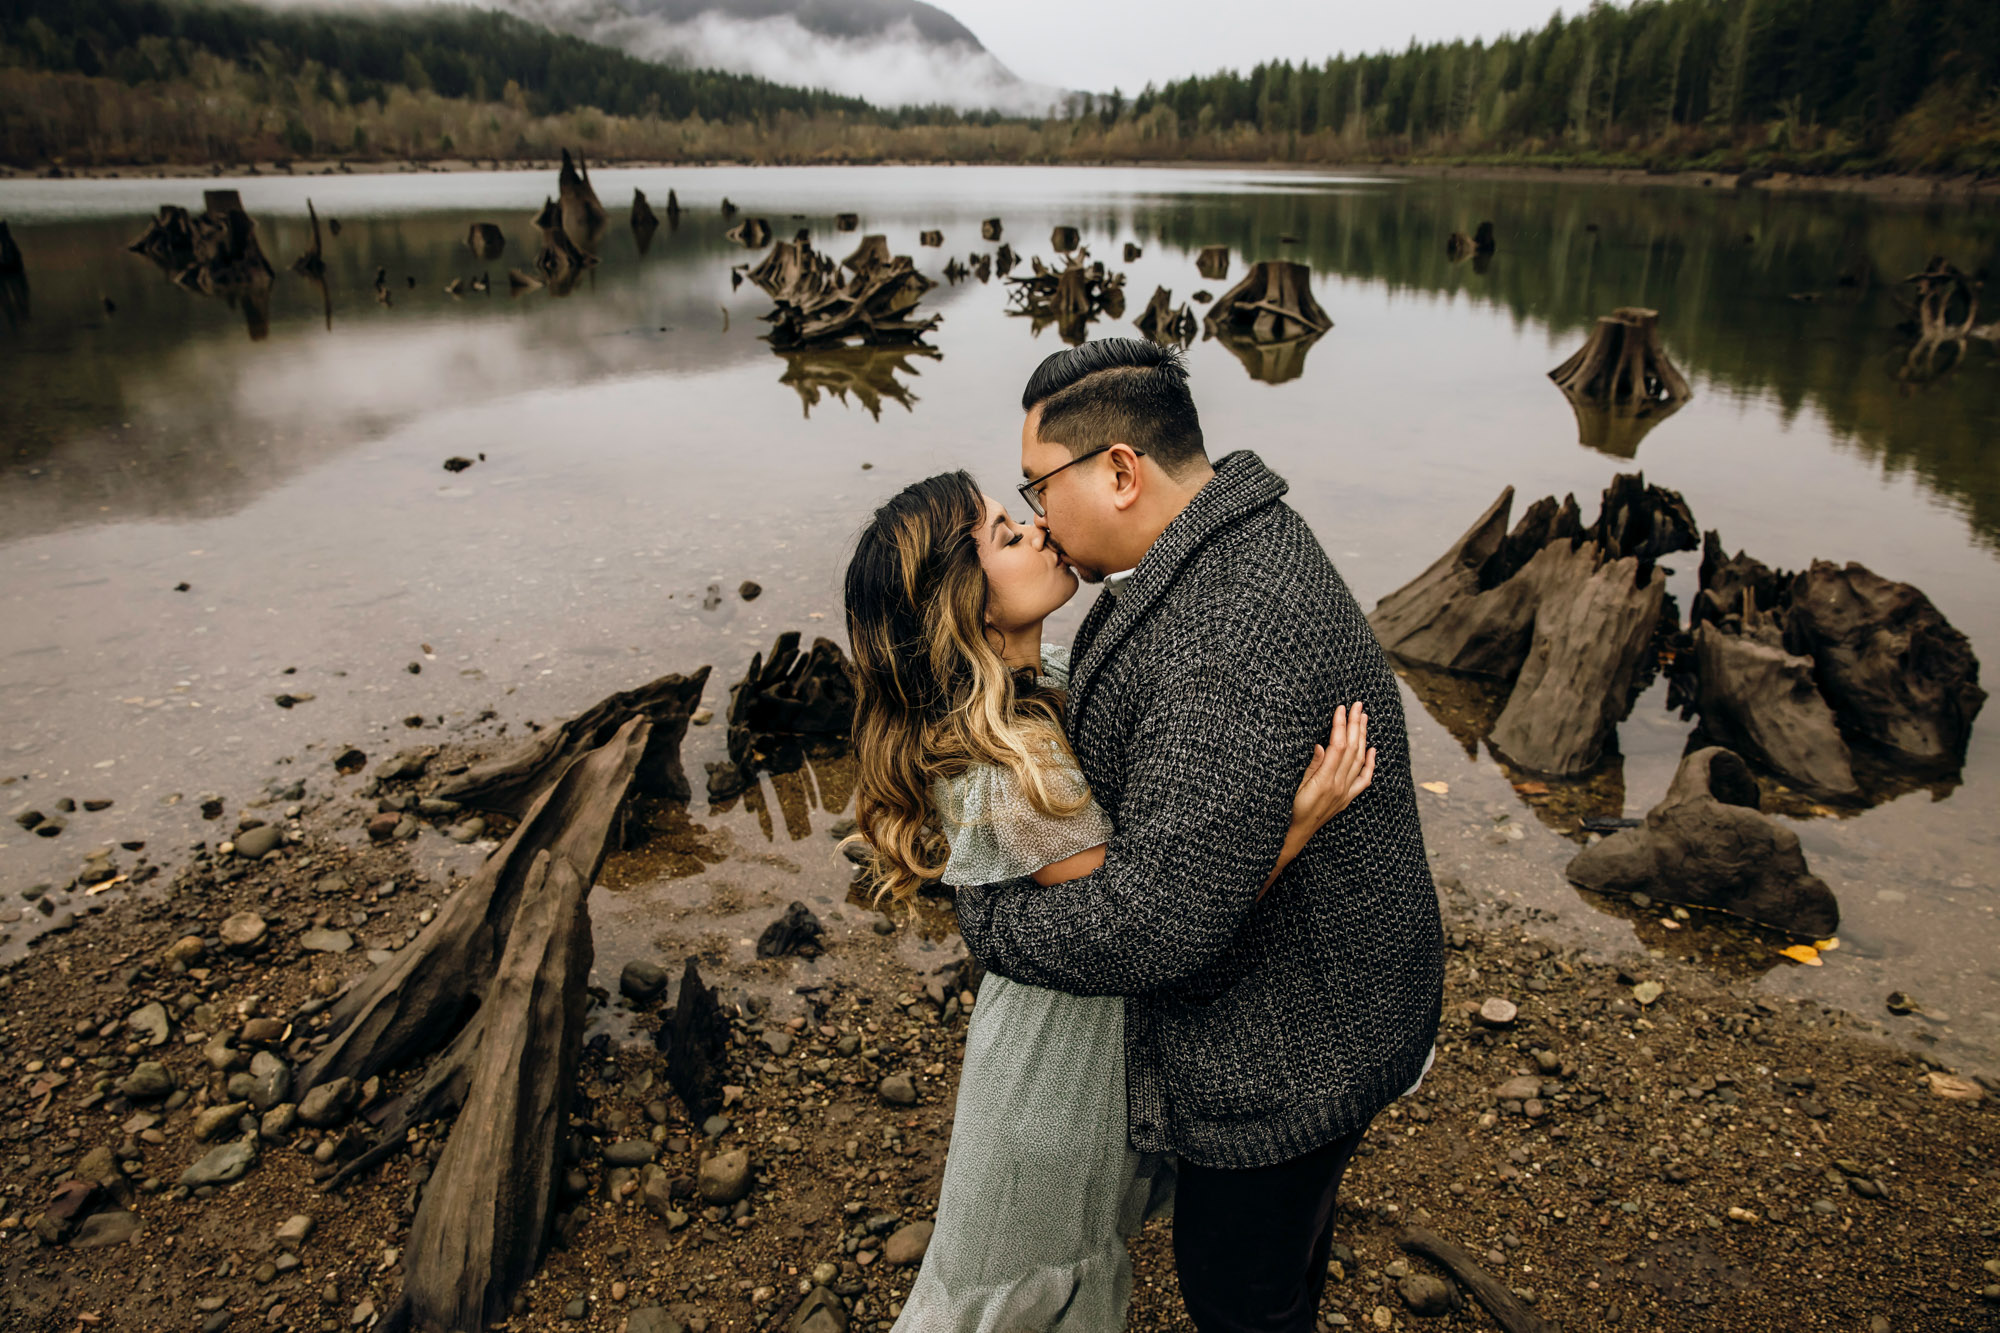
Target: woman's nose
<point>1038,534</point>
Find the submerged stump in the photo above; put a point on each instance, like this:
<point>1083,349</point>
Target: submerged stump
<point>1213,262</point>
<point>485,240</point>
<point>1269,320</point>
<point>1164,322</point>
<point>751,233</point>
<point>989,230</point>
<point>583,214</point>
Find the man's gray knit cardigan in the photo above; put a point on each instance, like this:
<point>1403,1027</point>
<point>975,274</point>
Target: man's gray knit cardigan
<point>1256,1030</point>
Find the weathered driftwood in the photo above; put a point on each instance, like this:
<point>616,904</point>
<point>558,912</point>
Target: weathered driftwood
<point>1132,252</point>
<point>1063,240</point>
<point>1707,845</point>
<point>1507,1309</point>
<point>1896,672</point>
<point>1623,364</point>
<point>1164,322</point>
<point>512,782</point>
<point>311,263</point>
<point>782,710</point>
<point>871,254</point>
<point>1761,701</point>
<point>868,373</point>
<point>443,991</point>
<point>559,262</point>
<point>989,230</point>
<point>1565,612</point>
<point>1069,298</point>
<point>11,264</point>
<point>214,252</point>
<point>930,238</point>
<point>583,215</point>
<point>751,233</point>
<point>486,240</point>
<point>797,273</point>
<point>846,221</point>
<point>873,306</point>
<point>696,1040</point>
<point>1213,262</point>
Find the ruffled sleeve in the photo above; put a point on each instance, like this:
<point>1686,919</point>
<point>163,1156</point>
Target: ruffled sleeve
<point>995,833</point>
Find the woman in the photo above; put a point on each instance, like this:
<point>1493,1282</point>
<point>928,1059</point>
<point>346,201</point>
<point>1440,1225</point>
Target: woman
<point>965,777</point>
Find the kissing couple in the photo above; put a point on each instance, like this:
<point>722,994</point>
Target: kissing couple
<point>1186,850</point>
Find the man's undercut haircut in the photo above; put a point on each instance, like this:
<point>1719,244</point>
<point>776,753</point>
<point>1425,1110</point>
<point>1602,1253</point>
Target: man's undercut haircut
<point>1118,391</point>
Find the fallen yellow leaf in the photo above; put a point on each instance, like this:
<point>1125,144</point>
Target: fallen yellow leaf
<point>1802,953</point>
<point>1827,946</point>
<point>1436,788</point>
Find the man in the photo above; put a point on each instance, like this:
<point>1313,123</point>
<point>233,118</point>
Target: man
<point>1262,1034</point>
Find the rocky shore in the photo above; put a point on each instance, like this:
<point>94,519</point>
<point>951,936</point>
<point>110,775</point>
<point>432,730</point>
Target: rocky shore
<point>1627,1142</point>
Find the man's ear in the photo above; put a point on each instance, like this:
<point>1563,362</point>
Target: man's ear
<point>1126,481</point>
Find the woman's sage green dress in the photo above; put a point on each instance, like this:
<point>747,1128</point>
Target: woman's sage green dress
<point>1041,1188</point>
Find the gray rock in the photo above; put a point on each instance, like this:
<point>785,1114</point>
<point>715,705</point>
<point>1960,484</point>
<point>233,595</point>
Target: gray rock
<point>217,1121</point>
<point>778,1043</point>
<point>652,1319</point>
<point>271,1081</point>
<point>232,1161</point>
<point>278,1123</point>
<point>630,1152</point>
<point>329,1104</point>
<point>243,931</point>
<point>642,981</point>
<point>26,816</point>
<point>322,940</point>
<point>716,1126</point>
<point>294,1231</point>
<point>908,1244</point>
<point>1518,1089</point>
<point>406,764</point>
<point>847,1045</point>
<point>724,1178</point>
<point>259,842</point>
<point>819,1312</point>
<point>149,1082</point>
<point>1428,1296</point>
<point>102,1229</point>
<point>470,831</point>
<point>150,1022</point>
<point>899,1090</point>
<point>576,1309</point>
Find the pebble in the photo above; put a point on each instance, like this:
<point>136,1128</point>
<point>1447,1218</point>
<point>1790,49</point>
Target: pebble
<point>150,1022</point>
<point>642,981</point>
<point>908,1244</point>
<point>630,1152</point>
<point>259,842</point>
<point>724,1177</point>
<point>217,1121</point>
<point>898,1090</point>
<point>271,1081</point>
<point>329,1104</point>
<point>232,1161</point>
<point>243,931</point>
<point>322,940</point>
<point>149,1082</point>
<point>293,1232</point>
<point>1428,1296</point>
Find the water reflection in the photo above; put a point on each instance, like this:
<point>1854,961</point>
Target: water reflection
<point>868,373</point>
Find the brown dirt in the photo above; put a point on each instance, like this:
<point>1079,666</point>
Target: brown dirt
<point>1866,1194</point>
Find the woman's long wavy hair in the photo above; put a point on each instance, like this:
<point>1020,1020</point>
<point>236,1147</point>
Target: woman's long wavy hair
<point>934,695</point>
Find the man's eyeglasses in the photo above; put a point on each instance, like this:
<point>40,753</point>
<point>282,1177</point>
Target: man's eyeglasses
<point>1031,490</point>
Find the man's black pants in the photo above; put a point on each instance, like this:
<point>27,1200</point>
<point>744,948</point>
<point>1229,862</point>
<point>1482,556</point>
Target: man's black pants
<point>1251,1246</point>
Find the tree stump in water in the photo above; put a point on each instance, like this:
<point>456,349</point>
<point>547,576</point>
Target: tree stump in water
<point>930,238</point>
<point>797,273</point>
<point>1564,612</point>
<point>11,264</point>
<point>1947,313</point>
<point>1269,320</point>
<point>1165,323</point>
<point>1760,700</point>
<point>982,267</point>
<point>1482,239</point>
<point>1004,259</point>
<point>673,210</point>
<point>874,307</point>
<point>728,209</point>
<point>989,230</point>
<point>1707,845</point>
<point>955,271</point>
<point>846,221</point>
<point>1132,253</point>
<point>696,1041</point>
<point>643,217</point>
<point>1213,262</point>
<point>583,215</point>
<point>1069,298</point>
<point>558,262</point>
<point>511,783</point>
<point>871,254</point>
<point>782,710</point>
<point>1623,363</point>
<point>751,233</point>
<point>1063,240</point>
<point>311,263</point>
<point>485,240</point>
<point>1458,246</point>
<point>214,252</point>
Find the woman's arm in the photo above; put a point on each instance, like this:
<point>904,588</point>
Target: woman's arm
<point>1340,771</point>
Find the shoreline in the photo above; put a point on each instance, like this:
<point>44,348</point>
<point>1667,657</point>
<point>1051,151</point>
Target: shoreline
<point>1644,1139</point>
<point>1888,187</point>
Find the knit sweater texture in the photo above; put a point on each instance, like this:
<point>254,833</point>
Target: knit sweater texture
<point>1256,1029</point>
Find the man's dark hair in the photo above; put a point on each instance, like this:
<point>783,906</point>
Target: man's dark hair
<point>1118,391</point>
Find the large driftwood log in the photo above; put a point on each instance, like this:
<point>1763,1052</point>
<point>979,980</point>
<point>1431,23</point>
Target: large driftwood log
<point>1500,1302</point>
<point>782,710</point>
<point>511,783</point>
<point>485,240</point>
<point>1707,845</point>
<point>583,215</point>
<point>1213,262</point>
<point>1164,322</point>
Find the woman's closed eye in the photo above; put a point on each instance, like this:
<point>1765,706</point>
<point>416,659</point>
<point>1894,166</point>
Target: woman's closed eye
<point>1016,539</point>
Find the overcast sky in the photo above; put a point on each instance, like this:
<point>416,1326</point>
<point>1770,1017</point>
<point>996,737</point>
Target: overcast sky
<point>1124,43</point>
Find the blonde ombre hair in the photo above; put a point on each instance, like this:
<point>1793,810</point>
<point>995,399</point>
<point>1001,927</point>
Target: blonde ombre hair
<point>934,696</point>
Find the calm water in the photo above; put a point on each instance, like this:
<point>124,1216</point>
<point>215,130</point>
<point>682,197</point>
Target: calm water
<point>641,443</point>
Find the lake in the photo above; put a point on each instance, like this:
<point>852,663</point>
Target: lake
<point>638,452</point>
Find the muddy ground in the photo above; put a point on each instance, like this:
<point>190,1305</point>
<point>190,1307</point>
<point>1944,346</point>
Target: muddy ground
<point>1626,1159</point>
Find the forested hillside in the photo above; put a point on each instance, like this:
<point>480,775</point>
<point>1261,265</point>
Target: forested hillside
<point>1811,85</point>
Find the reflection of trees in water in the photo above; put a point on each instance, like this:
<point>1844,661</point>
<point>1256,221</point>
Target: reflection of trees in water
<point>1720,267</point>
<point>869,373</point>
